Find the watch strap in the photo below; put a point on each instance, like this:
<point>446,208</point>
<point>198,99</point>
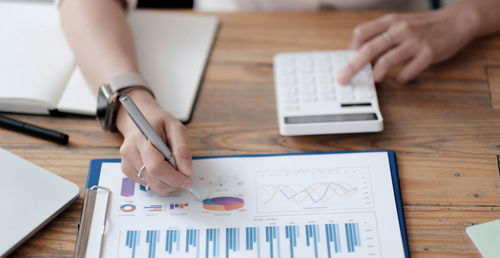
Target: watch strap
<point>124,82</point>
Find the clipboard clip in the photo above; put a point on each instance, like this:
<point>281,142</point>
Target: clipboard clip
<point>86,220</point>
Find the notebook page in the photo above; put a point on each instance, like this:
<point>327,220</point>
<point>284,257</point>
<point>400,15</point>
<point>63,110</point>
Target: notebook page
<point>172,50</point>
<point>78,98</point>
<point>35,60</point>
<point>327,205</point>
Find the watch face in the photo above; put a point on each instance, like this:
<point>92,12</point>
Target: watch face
<point>103,105</point>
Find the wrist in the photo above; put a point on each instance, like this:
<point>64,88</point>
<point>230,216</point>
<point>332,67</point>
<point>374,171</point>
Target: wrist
<point>144,101</point>
<point>466,19</point>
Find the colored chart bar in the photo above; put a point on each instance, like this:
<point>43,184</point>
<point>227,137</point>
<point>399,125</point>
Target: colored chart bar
<point>212,236</point>
<point>223,203</point>
<point>352,236</point>
<point>172,236</point>
<point>312,237</point>
<point>128,187</point>
<point>178,205</point>
<point>253,239</point>
<point>152,238</point>
<point>153,208</point>
<point>332,236</point>
<point>272,236</point>
<point>132,240</point>
<point>193,239</point>
<point>291,233</point>
<point>232,240</point>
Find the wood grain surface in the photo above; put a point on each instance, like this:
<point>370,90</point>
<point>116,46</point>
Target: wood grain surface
<point>444,127</point>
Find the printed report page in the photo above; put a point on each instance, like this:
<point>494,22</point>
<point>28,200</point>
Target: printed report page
<point>320,205</point>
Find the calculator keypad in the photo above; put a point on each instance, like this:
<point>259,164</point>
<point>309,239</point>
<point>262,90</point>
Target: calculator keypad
<point>310,78</point>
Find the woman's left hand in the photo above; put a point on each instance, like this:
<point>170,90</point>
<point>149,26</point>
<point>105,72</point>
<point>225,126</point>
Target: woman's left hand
<point>416,40</point>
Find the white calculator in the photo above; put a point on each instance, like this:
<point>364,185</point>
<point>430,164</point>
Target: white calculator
<point>310,101</point>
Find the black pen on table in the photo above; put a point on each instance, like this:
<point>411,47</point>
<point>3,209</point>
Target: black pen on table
<point>44,133</point>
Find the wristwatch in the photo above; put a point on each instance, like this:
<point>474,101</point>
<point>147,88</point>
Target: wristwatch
<point>107,99</point>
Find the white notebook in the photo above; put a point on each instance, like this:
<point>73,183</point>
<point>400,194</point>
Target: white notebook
<point>38,72</point>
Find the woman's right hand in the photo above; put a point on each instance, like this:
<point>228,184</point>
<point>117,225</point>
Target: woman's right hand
<point>414,40</point>
<point>136,151</point>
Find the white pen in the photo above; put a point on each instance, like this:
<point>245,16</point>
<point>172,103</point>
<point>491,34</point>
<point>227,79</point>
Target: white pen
<point>150,134</point>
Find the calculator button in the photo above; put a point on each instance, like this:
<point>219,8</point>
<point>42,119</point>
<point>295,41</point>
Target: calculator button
<point>326,90</point>
<point>328,98</point>
<point>305,68</point>
<point>306,78</point>
<point>286,70</point>
<point>308,98</point>
<point>308,90</point>
<point>364,95</point>
<point>291,99</point>
<point>347,96</point>
<point>292,108</point>
<point>288,91</point>
<point>287,80</point>
<point>324,78</point>
<point>347,89</point>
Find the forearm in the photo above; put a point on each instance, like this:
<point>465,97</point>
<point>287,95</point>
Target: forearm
<point>100,37</point>
<point>481,16</point>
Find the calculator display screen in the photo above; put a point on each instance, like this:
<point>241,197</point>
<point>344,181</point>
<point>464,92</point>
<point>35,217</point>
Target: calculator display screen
<point>330,118</point>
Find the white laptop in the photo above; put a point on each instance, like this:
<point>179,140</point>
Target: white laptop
<point>30,197</point>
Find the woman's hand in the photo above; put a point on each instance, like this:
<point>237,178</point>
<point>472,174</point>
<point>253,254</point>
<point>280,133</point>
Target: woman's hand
<point>136,151</point>
<point>418,40</point>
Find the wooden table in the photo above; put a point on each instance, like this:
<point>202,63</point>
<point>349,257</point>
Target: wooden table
<point>444,127</point>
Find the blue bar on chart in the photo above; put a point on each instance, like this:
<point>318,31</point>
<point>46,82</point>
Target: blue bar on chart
<point>213,236</point>
<point>312,237</point>
<point>172,236</point>
<point>193,239</point>
<point>153,208</point>
<point>352,236</point>
<point>332,236</point>
<point>178,205</point>
<point>253,238</point>
<point>272,236</point>
<point>132,241</point>
<point>128,187</point>
<point>152,238</point>
<point>291,233</point>
<point>232,240</point>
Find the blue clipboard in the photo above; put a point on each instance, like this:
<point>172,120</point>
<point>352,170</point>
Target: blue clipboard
<point>95,171</point>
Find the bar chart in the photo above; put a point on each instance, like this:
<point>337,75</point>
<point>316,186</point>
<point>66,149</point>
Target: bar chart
<point>277,241</point>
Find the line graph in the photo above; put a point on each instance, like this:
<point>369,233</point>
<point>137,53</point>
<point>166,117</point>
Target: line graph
<point>317,189</point>
<point>318,192</point>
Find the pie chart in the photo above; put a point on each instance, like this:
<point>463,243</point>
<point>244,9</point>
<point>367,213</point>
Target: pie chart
<point>223,203</point>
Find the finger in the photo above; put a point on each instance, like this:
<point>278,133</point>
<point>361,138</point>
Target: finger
<point>131,172</point>
<point>158,168</point>
<point>131,160</point>
<point>158,186</point>
<point>369,30</point>
<point>393,57</point>
<point>178,140</point>
<point>368,52</point>
<point>415,66</point>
